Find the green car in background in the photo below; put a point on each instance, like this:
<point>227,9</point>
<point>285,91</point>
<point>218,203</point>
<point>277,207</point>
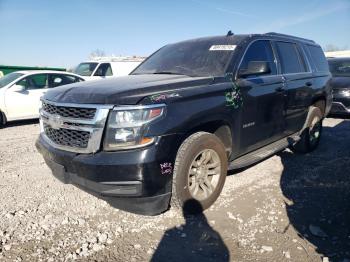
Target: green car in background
<point>4,69</point>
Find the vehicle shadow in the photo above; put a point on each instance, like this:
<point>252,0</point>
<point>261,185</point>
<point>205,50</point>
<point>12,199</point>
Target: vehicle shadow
<point>22,123</point>
<point>317,191</point>
<point>344,116</point>
<point>193,241</point>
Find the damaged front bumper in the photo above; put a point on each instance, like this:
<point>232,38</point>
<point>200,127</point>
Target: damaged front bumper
<point>131,180</point>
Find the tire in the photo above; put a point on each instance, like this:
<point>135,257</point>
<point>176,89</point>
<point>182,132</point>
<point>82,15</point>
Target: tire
<point>311,135</point>
<point>195,187</point>
<point>2,120</point>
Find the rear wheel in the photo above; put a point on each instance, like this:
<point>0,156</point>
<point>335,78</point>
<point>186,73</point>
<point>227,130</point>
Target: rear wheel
<point>310,137</point>
<point>199,172</point>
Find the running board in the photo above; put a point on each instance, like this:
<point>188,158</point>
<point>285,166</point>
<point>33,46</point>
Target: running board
<point>262,153</point>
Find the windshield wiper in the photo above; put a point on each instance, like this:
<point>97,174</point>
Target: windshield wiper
<point>168,73</point>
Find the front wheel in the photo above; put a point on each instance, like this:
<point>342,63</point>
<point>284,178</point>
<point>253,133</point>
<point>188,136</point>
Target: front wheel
<point>2,120</point>
<point>199,173</point>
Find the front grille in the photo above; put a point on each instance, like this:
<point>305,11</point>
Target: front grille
<point>73,127</point>
<point>67,137</point>
<point>70,112</point>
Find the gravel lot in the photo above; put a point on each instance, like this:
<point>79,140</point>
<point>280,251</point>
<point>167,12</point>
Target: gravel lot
<point>286,208</point>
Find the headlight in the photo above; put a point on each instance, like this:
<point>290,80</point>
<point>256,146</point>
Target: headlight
<point>346,92</point>
<point>126,126</point>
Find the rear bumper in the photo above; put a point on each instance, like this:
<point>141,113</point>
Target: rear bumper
<point>340,103</point>
<point>130,180</point>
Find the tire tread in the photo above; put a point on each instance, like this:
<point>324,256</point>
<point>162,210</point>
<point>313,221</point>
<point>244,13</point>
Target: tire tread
<point>175,201</point>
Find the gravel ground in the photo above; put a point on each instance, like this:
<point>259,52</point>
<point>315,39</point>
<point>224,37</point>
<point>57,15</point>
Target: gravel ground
<point>287,208</point>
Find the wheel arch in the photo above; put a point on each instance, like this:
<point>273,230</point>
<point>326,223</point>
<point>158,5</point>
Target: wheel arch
<point>220,128</point>
<point>320,102</point>
<point>3,119</point>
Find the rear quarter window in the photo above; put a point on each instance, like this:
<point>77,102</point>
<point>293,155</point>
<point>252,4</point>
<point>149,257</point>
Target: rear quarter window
<point>318,58</point>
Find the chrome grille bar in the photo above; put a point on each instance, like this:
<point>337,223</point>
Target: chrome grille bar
<point>63,126</point>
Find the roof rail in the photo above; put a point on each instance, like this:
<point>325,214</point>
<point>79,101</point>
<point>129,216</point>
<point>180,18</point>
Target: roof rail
<point>290,36</point>
<point>118,58</point>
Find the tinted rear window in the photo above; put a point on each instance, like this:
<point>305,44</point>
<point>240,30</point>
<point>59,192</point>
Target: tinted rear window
<point>318,58</point>
<point>291,61</point>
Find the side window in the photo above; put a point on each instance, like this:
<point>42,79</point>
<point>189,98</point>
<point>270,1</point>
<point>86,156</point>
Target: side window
<point>290,58</point>
<point>318,58</point>
<point>104,69</point>
<point>260,51</point>
<point>34,82</point>
<point>59,80</point>
<point>78,79</point>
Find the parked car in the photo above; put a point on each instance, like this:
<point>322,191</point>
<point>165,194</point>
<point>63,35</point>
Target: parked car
<point>118,66</point>
<point>340,69</point>
<point>170,130</point>
<point>20,92</point>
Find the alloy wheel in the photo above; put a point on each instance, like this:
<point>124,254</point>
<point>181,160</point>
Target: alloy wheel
<point>204,174</point>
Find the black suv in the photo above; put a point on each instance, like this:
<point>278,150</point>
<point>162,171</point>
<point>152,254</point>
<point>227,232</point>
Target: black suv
<point>170,130</point>
<point>340,69</point>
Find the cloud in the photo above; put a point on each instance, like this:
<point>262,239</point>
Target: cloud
<point>310,15</point>
<point>223,10</point>
<point>233,12</point>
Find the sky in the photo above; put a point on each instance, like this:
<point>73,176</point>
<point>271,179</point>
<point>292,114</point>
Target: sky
<point>62,33</point>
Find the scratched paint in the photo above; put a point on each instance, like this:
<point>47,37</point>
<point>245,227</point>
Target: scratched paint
<point>163,97</point>
<point>234,97</point>
<point>166,168</point>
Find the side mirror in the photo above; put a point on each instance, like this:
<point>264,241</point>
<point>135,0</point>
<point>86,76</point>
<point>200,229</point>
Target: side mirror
<point>256,68</point>
<point>17,88</point>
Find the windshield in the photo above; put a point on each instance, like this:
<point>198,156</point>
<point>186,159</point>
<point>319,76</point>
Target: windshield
<point>192,58</point>
<point>85,69</point>
<point>4,81</point>
<point>340,68</point>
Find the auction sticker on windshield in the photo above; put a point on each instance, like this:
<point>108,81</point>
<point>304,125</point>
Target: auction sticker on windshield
<point>222,47</point>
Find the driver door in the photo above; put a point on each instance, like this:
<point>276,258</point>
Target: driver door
<point>25,104</point>
<point>263,111</point>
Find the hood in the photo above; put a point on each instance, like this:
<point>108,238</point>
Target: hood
<point>340,82</point>
<point>126,90</point>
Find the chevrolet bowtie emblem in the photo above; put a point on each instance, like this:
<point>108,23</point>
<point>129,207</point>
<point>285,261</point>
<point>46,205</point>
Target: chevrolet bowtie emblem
<point>55,122</point>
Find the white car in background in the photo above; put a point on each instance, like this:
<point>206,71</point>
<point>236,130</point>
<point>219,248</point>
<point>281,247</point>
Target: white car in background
<point>101,68</point>
<point>20,92</point>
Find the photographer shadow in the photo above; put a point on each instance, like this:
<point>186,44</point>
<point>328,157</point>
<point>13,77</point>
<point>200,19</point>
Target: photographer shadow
<point>196,240</point>
<point>317,191</point>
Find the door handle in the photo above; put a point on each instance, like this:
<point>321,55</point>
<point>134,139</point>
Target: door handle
<point>308,83</point>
